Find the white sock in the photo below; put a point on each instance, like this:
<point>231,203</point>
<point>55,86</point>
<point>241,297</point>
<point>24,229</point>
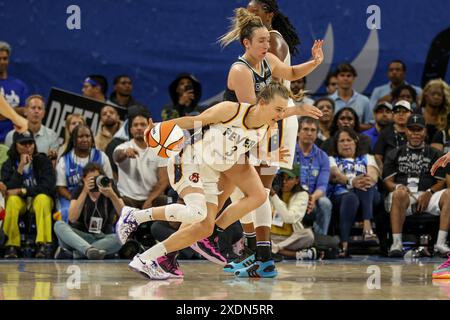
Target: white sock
<point>158,250</point>
<point>143,216</point>
<point>397,239</point>
<point>442,238</point>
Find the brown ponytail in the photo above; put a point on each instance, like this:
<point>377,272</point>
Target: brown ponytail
<point>242,25</point>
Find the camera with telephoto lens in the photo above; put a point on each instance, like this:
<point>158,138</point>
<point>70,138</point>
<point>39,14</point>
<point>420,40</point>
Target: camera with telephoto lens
<point>101,181</point>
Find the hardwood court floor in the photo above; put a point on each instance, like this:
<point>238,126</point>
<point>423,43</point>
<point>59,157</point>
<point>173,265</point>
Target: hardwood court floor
<point>339,279</point>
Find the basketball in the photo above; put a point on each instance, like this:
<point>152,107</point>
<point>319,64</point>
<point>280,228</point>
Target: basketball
<point>166,139</point>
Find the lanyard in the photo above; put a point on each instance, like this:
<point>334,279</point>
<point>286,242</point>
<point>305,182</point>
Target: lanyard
<point>309,170</point>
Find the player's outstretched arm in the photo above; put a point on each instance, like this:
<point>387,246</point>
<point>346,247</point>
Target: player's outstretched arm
<point>291,73</point>
<point>305,110</point>
<point>220,112</point>
<point>20,123</point>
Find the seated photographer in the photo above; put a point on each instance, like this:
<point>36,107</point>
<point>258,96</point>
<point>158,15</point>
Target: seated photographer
<point>412,188</point>
<point>290,202</point>
<point>27,174</point>
<point>80,150</point>
<point>353,185</point>
<point>93,210</point>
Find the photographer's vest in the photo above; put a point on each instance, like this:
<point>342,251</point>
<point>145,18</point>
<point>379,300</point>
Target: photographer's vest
<point>74,170</point>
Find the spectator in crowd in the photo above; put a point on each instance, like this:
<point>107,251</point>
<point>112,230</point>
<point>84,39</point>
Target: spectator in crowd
<point>394,135</point>
<point>354,177</point>
<point>124,135</point>
<point>326,105</point>
<point>346,118</point>
<point>14,90</point>
<point>298,88</point>
<point>185,92</point>
<point>92,214</point>
<point>142,174</point>
<point>412,188</point>
<point>45,138</point>
<point>123,88</point>
<point>73,120</point>
<point>383,118</point>
<point>441,140</point>
<point>331,83</point>
<point>80,151</point>
<point>95,87</point>
<point>314,171</point>
<point>290,202</point>
<point>396,75</point>
<point>435,106</point>
<point>28,174</point>
<point>346,96</point>
<point>109,124</point>
<point>405,92</point>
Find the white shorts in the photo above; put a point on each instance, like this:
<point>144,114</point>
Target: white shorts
<point>433,205</point>
<point>183,173</point>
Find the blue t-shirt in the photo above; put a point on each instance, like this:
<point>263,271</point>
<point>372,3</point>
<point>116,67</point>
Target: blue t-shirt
<point>351,168</point>
<point>373,134</point>
<point>314,169</point>
<point>15,92</point>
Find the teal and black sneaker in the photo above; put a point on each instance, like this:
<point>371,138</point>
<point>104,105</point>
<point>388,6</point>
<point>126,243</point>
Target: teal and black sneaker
<point>245,260</point>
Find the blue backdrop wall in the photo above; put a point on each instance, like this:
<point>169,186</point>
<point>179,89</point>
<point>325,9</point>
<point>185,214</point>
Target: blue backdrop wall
<point>153,41</point>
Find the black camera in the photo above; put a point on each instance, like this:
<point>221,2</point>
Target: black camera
<point>101,181</point>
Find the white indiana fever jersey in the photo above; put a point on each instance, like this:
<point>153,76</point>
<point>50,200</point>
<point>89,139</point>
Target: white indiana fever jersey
<point>225,143</point>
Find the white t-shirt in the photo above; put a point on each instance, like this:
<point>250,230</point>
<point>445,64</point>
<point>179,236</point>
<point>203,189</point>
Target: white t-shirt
<point>61,168</point>
<point>138,176</point>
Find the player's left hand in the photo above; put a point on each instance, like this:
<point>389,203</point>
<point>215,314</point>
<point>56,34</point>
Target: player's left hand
<point>147,131</point>
<point>307,110</point>
<point>316,52</point>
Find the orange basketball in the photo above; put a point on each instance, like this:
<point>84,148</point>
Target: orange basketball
<point>165,138</point>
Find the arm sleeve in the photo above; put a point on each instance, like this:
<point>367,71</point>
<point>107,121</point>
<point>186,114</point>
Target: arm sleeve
<point>293,212</point>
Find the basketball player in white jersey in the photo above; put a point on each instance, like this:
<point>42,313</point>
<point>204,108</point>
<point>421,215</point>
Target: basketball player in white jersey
<point>234,129</point>
<point>247,76</point>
